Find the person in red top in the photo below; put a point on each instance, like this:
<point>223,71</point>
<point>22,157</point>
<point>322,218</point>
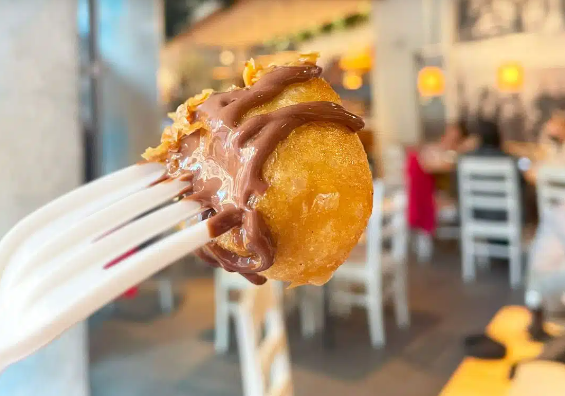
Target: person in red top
<point>438,157</point>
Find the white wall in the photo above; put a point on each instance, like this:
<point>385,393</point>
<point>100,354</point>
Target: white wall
<point>479,60</point>
<point>532,50</point>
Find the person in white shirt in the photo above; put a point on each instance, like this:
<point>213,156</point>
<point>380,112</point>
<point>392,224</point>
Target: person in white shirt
<point>544,375</point>
<point>546,269</point>
<point>551,145</point>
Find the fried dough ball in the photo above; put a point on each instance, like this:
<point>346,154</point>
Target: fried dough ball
<point>319,197</point>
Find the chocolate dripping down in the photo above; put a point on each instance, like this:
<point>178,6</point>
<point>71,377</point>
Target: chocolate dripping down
<point>225,163</point>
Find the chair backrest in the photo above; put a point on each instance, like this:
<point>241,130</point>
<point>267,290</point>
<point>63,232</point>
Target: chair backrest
<point>550,187</point>
<point>394,211</point>
<point>263,348</point>
<point>232,281</point>
<point>397,229</point>
<point>489,184</point>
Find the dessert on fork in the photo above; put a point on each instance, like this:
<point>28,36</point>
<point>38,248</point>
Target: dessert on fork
<point>274,171</point>
<point>279,166</point>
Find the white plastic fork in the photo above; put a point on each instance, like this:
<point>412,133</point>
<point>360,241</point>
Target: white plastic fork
<point>52,263</point>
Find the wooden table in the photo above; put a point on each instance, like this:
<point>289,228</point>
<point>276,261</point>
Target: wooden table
<point>478,377</point>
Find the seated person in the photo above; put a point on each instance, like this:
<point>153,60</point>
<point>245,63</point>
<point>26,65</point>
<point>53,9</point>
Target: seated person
<point>425,165</point>
<point>553,135</point>
<point>440,157</point>
<point>490,140</point>
<point>546,267</point>
<point>551,144</point>
<point>490,146</point>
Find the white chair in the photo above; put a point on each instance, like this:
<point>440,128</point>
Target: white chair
<point>228,287</point>
<point>490,184</point>
<point>447,217</point>
<point>382,275</point>
<point>550,187</point>
<point>264,359</point>
<point>447,229</point>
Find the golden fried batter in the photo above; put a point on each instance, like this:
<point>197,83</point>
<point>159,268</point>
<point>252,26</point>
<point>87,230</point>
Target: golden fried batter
<point>320,193</point>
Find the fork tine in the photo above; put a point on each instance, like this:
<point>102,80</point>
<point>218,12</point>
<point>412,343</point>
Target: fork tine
<point>86,199</point>
<point>97,254</point>
<point>93,226</point>
<point>90,290</point>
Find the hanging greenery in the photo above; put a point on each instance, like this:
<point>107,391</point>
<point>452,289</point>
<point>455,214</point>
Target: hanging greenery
<point>290,41</point>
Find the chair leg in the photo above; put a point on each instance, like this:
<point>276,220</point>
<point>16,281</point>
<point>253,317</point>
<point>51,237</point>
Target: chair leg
<point>247,347</point>
<point>222,327</point>
<point>483,259</point>
<point>166,295</point>
<point>401,311</point>
<point>515,263</point>
<point>339,306</point>
<point>468,260</point>
<point>375,314</point>
<point>424,247</point>
<point>287,298</point>
<point>307,312</point>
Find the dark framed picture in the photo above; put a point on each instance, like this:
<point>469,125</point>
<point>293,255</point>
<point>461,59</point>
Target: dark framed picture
<point>521,115</point>
<point>484,19</point>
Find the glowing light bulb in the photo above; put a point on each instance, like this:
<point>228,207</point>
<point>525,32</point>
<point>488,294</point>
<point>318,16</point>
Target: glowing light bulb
<point>510,77</point>
<point>431,82</point>
<point>352,81</point>
<point>227,58</point>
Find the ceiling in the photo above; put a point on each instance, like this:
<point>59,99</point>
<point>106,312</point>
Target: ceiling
<point>251,22</point>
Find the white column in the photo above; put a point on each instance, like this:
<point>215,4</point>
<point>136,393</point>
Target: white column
<point>447,14</point>
<point>40,159</point>
<point>398,36</point>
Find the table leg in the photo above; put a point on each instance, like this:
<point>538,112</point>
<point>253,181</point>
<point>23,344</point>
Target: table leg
<point>329,330</point>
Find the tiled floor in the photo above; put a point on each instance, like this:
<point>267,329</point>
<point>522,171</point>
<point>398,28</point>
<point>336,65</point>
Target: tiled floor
<point>135,351</point>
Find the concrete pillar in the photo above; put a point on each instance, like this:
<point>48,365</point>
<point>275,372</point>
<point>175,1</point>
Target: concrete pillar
<point>448,21</point>
<point>40,159</point>
<point>398,36</point>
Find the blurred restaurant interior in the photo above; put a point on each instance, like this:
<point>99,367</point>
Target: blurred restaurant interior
<point>464,110</point>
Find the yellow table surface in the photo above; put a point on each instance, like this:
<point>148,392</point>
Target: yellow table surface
<point>478,377</point>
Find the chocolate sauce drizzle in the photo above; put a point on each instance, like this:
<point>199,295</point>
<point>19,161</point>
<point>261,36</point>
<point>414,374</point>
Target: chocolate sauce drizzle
<point>225,164</point>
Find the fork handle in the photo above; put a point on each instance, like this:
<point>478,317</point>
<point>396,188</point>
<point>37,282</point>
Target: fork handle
<point>94,288</point>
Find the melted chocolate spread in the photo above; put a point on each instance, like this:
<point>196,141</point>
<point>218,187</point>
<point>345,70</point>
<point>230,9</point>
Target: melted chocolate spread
<point>225,164</point>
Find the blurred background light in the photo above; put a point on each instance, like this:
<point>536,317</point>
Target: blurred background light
<point>357,60</point>
<point>510,77</point>
<point>431,81</point>
<point>227,57</point>
<point>352,80</point>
